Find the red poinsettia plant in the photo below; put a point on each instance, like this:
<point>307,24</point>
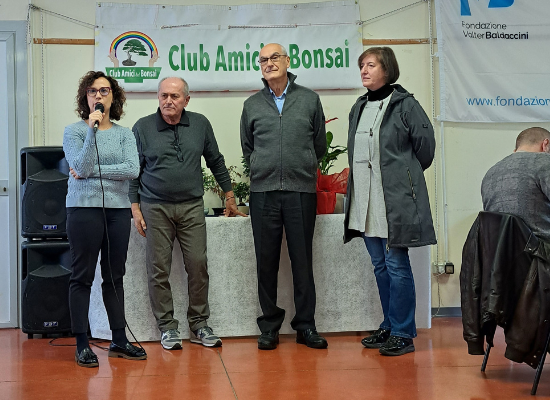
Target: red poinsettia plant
<point>329,185</point>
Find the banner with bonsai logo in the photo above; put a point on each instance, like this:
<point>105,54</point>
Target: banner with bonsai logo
<point>140,44</point>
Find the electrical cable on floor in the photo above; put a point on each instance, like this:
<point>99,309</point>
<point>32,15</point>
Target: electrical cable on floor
<point>227,374</point>
<point>92,343</point>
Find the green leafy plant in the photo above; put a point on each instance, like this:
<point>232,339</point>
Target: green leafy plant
<point>242,189</point>
<point>246,167</point>
<point>211,185</point>
<point>331,154</point>
<point>242,192</point>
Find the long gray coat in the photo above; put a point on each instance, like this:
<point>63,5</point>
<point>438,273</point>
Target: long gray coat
<point>407,147</point>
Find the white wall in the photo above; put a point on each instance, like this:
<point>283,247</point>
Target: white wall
<point>13,10</point>
<point>470,148</point>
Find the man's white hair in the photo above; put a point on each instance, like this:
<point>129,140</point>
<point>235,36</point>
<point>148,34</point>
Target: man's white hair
<point>185,85</point>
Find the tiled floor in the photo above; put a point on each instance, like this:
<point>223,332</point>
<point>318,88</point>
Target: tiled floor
<point>439,369</point>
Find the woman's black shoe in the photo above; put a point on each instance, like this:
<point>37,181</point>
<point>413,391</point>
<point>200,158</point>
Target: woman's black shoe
<point>86,358</point>
<point>397,346</point>
<point>129,352</point>
<point>376,340</point>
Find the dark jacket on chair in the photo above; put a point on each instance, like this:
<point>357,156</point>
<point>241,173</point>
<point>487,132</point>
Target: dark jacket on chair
<point>504,281</point>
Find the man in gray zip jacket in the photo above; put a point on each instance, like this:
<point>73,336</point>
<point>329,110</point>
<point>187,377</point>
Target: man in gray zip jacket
<point>282,138</point>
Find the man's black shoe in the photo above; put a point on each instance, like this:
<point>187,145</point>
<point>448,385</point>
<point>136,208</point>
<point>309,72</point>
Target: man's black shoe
<point>311,338</point>
<point>268,340</point>
<point>376,340</point>
<point>397,346</point>
<point>129,352</point>
<point>86,358</point>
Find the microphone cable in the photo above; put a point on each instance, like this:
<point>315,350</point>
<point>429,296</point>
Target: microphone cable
<point>109,248</point>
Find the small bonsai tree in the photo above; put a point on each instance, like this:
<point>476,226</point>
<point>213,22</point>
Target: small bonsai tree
<point>133,46</point>
<point>242,192</point>
<point>211,185</point>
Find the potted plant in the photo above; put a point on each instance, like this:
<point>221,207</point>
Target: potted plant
<point>331,153</point>
<point>329,185</point>
<point>242,193</point>
<point>211,185</point>
<point>242,189</point>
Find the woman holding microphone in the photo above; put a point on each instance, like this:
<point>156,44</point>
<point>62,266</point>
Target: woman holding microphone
<point>102,157</point>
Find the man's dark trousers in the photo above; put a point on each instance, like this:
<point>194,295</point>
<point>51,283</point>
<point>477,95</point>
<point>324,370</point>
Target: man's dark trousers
<point>296,212</point>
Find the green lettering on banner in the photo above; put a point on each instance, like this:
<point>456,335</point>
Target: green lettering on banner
<point>192,66</point>
<point>234,59</point>
<point>339,59</point>
<point>330,60</point>
<point>255,65</point>
<point>205,58</point>
<point>306,59</point>
<point>182,56</point>
<point>220,59</point>
<point>248,60</point>
<point>133,74</point>
<point>294,55</point>
<point>173,49</point>
<point>318,59</point>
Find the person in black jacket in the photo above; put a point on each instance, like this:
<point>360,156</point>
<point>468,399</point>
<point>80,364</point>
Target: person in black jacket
<point>390,144</point>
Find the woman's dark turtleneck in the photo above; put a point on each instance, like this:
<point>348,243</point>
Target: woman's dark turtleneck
<point>379,94</point>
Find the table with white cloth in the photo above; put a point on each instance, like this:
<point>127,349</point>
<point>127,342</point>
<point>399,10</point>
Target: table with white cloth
<point>347,295</point>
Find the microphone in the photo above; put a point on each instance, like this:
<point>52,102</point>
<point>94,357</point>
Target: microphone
<point>99,107</point>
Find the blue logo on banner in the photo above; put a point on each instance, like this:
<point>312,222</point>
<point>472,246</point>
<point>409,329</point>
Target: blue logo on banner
<point>465,5</point>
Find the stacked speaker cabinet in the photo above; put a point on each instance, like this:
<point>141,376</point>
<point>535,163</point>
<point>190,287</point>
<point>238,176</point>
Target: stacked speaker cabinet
<point>45,256</point>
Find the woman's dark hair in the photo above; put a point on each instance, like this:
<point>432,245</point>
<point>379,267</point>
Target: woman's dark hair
<point>386,58</point>
<point>119,98</point>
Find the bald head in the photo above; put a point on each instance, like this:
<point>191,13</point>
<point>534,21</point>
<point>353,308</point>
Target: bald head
<point>535,140</point>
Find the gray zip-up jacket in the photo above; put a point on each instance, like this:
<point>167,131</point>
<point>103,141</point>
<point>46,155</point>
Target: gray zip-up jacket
<point>407,147</point>
<point>283,150</point>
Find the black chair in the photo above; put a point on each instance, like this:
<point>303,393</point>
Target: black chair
<point>539,366</point>
<point>505,244</point>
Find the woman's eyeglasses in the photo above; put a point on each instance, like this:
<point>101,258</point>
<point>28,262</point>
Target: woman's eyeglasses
<point>104,91</point>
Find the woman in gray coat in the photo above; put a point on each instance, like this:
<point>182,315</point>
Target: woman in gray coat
<point>390,143</point>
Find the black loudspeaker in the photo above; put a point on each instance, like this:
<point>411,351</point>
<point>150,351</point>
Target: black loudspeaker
<point>44,175</point>
<point>46,267</point>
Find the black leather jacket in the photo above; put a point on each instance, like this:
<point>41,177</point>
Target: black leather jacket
<point>504,281</point>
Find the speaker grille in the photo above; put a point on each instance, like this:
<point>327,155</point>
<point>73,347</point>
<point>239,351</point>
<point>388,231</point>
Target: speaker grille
<point>43,208</point>
<point>46,300</point>
<point>46,271</point>
<point>44,175</point>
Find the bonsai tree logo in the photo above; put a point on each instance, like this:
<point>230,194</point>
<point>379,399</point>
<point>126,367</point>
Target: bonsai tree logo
<point>133,46</point>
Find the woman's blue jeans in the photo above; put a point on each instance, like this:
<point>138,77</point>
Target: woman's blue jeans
<point>394,277</point>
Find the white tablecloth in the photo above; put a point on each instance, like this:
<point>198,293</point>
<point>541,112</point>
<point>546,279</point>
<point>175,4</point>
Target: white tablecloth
<point>347,296</point>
